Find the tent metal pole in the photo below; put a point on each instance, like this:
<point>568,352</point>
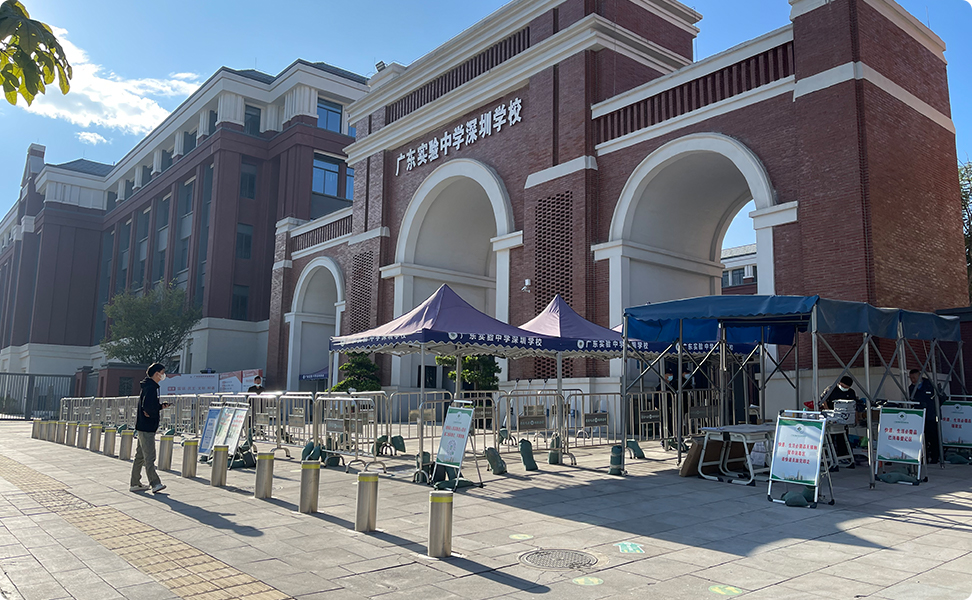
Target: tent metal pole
<point>815,351</point>
<point>421,407</point>
<point>867,406</point>
<point>330,369</point>
<point>725,419</point>
<point>762,374</point>
<point>961,363</point>
<point>678,398</point>
<point>796,365</point>
<point>624,386</point>
<point>938,403</point>
<point>902,359</point>
<point>560,402</point>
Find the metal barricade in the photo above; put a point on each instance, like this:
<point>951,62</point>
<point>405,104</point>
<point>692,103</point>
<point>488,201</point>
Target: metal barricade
<point>403,417</point>
<point>703,409</point>
<point>594,419</point>
<point>349,428</point>
<point>428,417</point>
<point>531,413</point>
<point>180,415</point>
<point>649,415</point>
<point>484,424</point>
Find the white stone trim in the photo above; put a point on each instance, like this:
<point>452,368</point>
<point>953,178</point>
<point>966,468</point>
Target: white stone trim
<point>283,264</point>
<point>859,70</point>
<point>27,224</point>
<point>656,256</point>
<point>321,262</point>
<point>395,270</point>
<point>508,241</point>
<point>370,234</point>
<point>779,214</point>
<point>287,224</point>
<point>694,71</point>
<point>686,22</point>
<point>802,7</point>
<point>441,177</point>
<point>231,108</point>
<point>754,96</point>
<point>571,166</point>
<point>590,33</point>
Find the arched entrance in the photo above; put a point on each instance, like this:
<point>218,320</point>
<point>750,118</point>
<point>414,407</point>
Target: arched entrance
<point>314,318</point>
<point>673,213</point>
<point>457,229</point>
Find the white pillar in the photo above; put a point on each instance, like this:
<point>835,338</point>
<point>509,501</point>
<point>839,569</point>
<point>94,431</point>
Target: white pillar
<point>203,124</point>
<point>300,100</point>
<point>179,148</point>
<point>156,162</point>
<point>138,177</point>
<point>763,222</point>
<point>293,351</point>
<point>270,118</point>
<point>231,108</point>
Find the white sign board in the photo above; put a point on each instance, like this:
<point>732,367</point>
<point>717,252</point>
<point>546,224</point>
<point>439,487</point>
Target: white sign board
<point>455,433</point>
<point>900,435</point>
<point>957,424</point>
<point>236,429</point>
<point>796,453</point>
<point>209,431</point>
<point>223,425</point>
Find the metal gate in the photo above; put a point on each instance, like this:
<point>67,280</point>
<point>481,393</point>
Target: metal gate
<point>26,396</point>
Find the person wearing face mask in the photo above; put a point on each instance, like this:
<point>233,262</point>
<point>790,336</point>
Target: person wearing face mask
<point>146,425</point>
<point>842,391</point>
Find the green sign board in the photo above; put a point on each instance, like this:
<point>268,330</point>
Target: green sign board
<point>455,433</point>
<point>796,452</point>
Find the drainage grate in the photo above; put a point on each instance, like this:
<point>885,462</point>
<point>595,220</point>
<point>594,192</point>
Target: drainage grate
<point>558,559</point>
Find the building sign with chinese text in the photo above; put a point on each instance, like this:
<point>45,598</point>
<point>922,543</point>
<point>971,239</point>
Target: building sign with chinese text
<point>466,134</point>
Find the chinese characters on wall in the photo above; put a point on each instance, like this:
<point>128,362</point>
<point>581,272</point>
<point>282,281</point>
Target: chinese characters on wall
<point>493,121</point>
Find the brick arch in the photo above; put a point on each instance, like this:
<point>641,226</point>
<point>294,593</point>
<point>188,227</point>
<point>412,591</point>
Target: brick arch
<point>438,180</point>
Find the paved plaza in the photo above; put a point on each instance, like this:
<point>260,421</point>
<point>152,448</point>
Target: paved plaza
<point>69,528</point>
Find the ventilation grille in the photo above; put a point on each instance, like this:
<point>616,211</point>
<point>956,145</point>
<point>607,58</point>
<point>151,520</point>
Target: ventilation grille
<point>362,285</point>
<point>554,265</point>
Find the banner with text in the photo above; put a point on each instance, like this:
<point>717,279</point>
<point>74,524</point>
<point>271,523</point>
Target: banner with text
<point>796,456</point>
<point>957,424</point>
<point>455,433</point>
<point>900,434</point>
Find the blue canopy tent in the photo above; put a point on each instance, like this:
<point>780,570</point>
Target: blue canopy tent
<point>766,320</point>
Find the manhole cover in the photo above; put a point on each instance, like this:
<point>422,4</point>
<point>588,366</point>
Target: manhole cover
<point>558,559</point>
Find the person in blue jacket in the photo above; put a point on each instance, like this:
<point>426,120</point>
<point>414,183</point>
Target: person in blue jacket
<point>146,425</point>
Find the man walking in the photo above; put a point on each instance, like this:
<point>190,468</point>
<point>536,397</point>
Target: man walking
<point>146,424</point>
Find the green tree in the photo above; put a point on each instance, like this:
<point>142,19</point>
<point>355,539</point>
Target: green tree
<point>360,374</point>
<point>30,56</point>
<point>479,371</point>
<point>965,186</point>
<point>149,328</point>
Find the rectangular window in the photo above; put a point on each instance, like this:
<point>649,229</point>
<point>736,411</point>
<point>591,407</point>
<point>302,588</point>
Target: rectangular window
<point>161,239</point>
<point>755,279</point>
<point>166,159</point>
<point>329,116</point>
<point>239,309</point>
<point>725,279</point>
<point>188,142</point>
<point>251,120</point>
<point>185,229</point>
<point>141,237</point>
<point>203,248</point>
<point>146,175</point>
<point>212,122</point>
<point>349,184</point>
<point>244,240</point>
<point>104,282</point>
<point>112,201</point>
<point>325,176</point>
<point>737,276</point>
<point>352,132</point>
<point>124,244</point>
<point>248,177</point>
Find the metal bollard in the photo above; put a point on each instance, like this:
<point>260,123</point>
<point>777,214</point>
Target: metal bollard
<point>190,454</point>
<point>264,476</point>
<point>165,453</point>
<point>51,430</point>
<point>127,440</point>
<point>220,464</point>
<point>440,524</point>
<point>72,433</point>
<point>95,444</point>
<point>366,517</point>
<point>61,431</point>
<point>310,485</point>
<point>82,435</point>
<point>35,430</point>
<point>110,434</point>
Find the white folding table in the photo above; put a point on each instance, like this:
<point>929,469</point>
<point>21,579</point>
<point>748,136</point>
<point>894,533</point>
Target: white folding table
<point>744,434</point>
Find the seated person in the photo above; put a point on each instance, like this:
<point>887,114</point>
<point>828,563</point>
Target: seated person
<point>841,391</point>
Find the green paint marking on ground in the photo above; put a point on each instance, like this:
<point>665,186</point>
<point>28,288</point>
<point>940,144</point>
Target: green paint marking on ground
<point>630,548</point>
<point>725,590</point>
<point>521,536</point>
<point>587,581</point>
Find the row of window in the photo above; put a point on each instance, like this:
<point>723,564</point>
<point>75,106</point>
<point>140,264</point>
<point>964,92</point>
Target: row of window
<point>736,277</point>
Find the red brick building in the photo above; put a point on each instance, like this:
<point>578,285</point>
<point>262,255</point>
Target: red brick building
<point>575,147</point>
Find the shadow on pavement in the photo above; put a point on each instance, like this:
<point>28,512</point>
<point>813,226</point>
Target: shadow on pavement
<point>207,517</point>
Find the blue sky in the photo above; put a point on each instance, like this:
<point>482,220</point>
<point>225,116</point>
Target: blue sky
<point>136,61</point>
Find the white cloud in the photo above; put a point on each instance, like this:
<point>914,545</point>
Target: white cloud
<point>90,137</point>
<point>102,98</point>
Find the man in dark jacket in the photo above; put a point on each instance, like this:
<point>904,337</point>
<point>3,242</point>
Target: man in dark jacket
<point>841,391</point>
<point>922,391</point>
<point>146,424</point>
<point>257,387</point>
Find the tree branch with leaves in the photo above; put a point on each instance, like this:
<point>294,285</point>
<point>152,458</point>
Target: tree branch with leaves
<point>149,328</point>
<point>31,58</point>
